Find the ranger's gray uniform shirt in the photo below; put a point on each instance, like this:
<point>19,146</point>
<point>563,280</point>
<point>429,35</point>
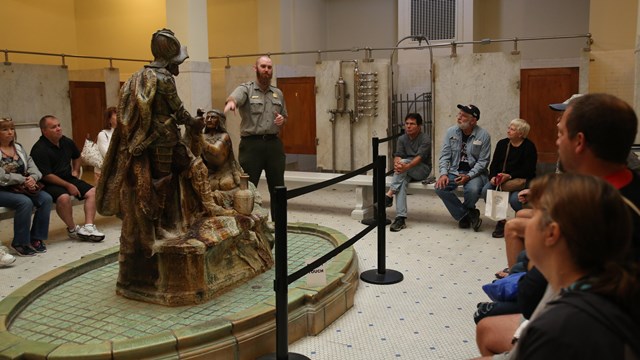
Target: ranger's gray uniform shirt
<point>258,108</point>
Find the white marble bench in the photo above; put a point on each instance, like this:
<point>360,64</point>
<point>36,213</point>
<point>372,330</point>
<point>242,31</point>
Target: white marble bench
<point>363,185</point>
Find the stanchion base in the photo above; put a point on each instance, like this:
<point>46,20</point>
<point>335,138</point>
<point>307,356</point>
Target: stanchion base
<point>290,356</point>
<point>387,278</point>
<point>371,221</point>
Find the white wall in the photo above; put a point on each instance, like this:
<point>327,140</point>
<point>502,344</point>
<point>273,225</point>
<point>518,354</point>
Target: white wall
<point>502,19</point>
<point>358,24</point>
<point>303,28</point>
<point>499,19</point>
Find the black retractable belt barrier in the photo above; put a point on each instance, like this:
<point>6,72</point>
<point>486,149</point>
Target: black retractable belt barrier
<point>377,201</point>
<point>282,280</point>
<point>382,275</point>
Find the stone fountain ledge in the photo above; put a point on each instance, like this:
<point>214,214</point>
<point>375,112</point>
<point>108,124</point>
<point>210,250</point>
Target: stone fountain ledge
<point>245,334</point>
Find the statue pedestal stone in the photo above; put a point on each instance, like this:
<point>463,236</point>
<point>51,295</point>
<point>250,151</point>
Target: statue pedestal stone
<point>213,255</point>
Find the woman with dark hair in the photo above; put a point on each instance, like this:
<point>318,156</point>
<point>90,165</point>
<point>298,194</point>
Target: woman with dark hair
<point>580,238</point>
<point>104,136</point>
<point>18,169</point>
<point>217,152</point>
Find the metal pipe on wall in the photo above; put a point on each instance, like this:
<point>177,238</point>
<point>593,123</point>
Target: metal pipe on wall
<point>354,113</point>
<point>341,96</point>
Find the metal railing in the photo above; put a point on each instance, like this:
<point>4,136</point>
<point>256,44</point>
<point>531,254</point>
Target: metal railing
<point>63,57</point>
<point>368,51</point>
<point>453,45</point>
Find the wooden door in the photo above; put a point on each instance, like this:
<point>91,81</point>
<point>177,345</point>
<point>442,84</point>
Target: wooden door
<point>88,103</point>
<point>299,133</point>
<point>539,88</point>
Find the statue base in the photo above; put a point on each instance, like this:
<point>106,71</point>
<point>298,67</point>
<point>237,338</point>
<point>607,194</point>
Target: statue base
<point>215,254</point>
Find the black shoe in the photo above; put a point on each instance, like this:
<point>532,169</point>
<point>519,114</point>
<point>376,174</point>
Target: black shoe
<point>38,246</point>
<point>24,250</point>
<point>464,222</point>
<point>499,230</point>
<point>388,201</point>
<point>398,224</point>
<point>474,219</point>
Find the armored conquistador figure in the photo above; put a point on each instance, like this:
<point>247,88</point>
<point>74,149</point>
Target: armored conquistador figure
<point>183,239</point>
<point>149,157</point>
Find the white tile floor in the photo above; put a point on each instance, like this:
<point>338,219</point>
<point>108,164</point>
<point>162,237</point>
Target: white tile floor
<point>426,316</point>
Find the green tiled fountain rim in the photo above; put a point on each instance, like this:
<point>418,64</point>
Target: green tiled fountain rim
<point>13,346</point>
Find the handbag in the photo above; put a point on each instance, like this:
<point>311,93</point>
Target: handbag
<point>496,204</point>
<point>515,184</point>
<point>90,154</point>
<point>23,189</point>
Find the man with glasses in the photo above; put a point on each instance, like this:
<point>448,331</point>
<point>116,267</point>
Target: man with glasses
<point>411,162</point>
<point>464,160</point>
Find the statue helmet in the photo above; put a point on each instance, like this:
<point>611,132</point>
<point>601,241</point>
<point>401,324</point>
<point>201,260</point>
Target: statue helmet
<point>166,49</point>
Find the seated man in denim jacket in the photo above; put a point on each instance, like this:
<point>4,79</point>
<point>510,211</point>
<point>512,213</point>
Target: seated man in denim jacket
<point>464,159</point>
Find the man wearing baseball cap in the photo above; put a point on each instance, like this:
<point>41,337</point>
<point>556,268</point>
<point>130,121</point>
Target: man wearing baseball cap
<point>464,159</point>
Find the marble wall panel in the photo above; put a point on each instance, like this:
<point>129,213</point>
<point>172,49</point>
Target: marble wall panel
<point>31,91</point>
<point>490,81</point>
<point>344,144</point>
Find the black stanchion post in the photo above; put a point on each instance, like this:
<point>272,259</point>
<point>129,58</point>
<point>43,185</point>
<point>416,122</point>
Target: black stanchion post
<point>382,275</point>
<point>280,284</point>
<point>375,143</point>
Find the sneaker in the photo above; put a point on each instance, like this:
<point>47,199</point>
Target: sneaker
<point>73,234</point>
<point>398,224</point>
<point>498,232</point>
<point>24,250</point>
<point>474,219</point>
<point>38,246</point>
<point>91,233</point>
<point>464,222</point>
<point>388,201</point>
<point>6,259</point>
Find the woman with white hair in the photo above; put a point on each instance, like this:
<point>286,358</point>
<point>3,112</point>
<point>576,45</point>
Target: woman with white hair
<point>513,165</point>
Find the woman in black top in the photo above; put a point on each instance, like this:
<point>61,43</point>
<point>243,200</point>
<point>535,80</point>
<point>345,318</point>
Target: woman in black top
<point>515,157</point>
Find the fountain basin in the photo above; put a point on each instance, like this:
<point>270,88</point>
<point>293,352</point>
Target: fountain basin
<point>73,312</point>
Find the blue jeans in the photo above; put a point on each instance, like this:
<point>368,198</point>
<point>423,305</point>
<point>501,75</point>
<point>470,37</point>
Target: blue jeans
<point>472,189</point>
<point>516,205</point>
<point>23,206</point>
<point>399,184</point>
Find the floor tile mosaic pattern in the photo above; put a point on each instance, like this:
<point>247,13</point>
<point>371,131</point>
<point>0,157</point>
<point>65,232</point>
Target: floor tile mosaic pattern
<point>426,316</point>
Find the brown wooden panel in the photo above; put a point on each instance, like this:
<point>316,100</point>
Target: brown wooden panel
<point>299,134</point>
<point>88,103</point>
<point>539,88</point>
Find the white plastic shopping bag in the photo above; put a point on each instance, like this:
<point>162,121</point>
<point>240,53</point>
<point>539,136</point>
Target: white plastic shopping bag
<point>497,204</point>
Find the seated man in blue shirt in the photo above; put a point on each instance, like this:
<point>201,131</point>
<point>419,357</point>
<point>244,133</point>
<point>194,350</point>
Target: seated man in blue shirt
<point>411,162</point>
<point>464,160</point>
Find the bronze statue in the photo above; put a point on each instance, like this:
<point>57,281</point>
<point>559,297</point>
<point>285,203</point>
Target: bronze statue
<point>158,183</point>
<point>217,152</point>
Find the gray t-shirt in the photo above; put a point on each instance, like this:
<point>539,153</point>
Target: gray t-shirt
<point>408,148</point>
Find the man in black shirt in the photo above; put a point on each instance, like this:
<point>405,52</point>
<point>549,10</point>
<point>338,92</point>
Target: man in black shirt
<point>58,158</point>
